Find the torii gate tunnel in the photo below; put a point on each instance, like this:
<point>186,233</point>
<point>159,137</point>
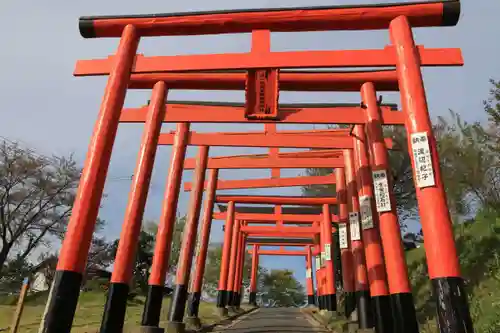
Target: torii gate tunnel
<point>375,277</point>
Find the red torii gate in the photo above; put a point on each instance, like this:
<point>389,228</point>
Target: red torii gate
<point>404,54</point>
<point>257,251</point>
<point>267,232</point>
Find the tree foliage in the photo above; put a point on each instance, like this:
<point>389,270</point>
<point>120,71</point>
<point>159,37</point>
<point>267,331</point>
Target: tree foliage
<point>281,288</point>
<point>36,198</point>
<point>469,158</point>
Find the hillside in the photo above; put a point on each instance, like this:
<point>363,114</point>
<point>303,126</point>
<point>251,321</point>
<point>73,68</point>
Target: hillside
<point>478,244</point>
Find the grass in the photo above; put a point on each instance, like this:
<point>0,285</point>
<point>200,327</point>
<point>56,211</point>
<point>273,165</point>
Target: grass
<point>478,245</point>
<point>89,313</point>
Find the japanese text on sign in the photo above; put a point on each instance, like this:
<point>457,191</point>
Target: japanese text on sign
<point>354,226</point>
<point>323,256</point>
<point>318,262</point>
<point>308,273</point>
<point>365,206</point>
<point>381,188</point>
<point>328,251</point>
<point>343,239</point>
<point>424,173</point>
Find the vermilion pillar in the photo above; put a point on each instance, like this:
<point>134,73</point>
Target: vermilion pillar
<point>344,240</point>
<point>309,281</point>
<point>361,285</point>
<point>224,266</point>
<point>322,284</point>
<point>114,311</point>
<point>252,298</point>
<point>65,289</point>
<point>326,231</point>
<point>442,262</point>
<point>232,264</point>
<point>179,296</point>
<point>319,294</point>
<point>160,265</point>
<point>195,294</point>
<point>371,237</point>
<point>241,267</point>
<point>237,266</point>
<point>405,318</point>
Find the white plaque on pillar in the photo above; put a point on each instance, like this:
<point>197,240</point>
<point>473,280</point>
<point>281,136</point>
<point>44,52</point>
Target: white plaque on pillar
<point>365,207</point>
<point>343,239</point>
<point>323,256</point>
<point>381,189</point>
<point>424,172</point>
<point>328,251</point>
<point>354,226</point>
<point>318,262</point>
<point>308,273</point>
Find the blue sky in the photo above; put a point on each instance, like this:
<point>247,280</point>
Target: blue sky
<point>47,109</point>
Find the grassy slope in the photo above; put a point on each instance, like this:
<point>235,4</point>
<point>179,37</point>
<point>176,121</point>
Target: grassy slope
<point>89,313</point>
<point>478,245</point>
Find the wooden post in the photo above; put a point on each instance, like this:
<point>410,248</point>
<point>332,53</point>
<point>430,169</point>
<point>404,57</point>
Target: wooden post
<point>20,306</point>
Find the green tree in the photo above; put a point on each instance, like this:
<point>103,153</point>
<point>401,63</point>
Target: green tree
<point>470,160</point>
<point>14,272</point>
<point>281,288</point>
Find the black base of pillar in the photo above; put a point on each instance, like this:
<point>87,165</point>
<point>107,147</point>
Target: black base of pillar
<point>221,298</point>
<point>152,307</point>
<point>382,309</point>
<point>405,318</point>
<point>350,304</point>
<point>223,312</point>
<point>452,306</point>
<point>311,300</point>
<point>176,327</point>
<point>193,322</point>
<point>331,302</point>
<point>365,312</point>
<point>252,298</point>
<point>193,306</point>
<point>116,306</point>
<point>151,329</point>
<point>229,297</point>
<point>177,304</point>
<point>321,302</point>
<point>62,302</point>
<point>236,300</point>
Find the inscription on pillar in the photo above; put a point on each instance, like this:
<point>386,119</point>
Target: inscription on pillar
<point>354,226</point>
<point>318,262</point>
<point>423,170</point>
<point>343,239</point>
<point>381,189</point>
<point>365,207</point>
<point>328,251</point>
